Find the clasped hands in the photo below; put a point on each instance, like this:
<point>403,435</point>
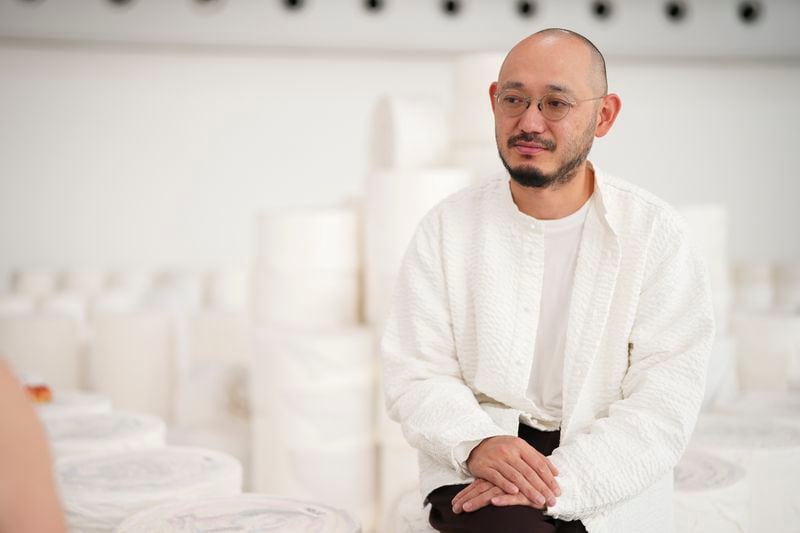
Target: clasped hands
<point>508,471</point>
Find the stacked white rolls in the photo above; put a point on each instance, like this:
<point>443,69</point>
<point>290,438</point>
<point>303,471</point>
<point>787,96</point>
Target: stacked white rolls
<point>49,347</point>
<point>178,291</point>
<point>98,492</point>
<point>307,268</point>
<point>103,433</point>
<point>66,404</point>
<point>72,305</point>
<point>246,513</point>
<point>16,305</point>
<point>710,495</point>
<point>34,282</point>
<point>780,405</point>
<point>753,286</point>
<point>312,401</point>
<point>769,452</point>
<point>133,361</point>
<point>396,202</point>
<point>408,515</point>
<point>787,286</point>
<point>228,290</point>
<point>86,281</point>
<point>768,350</point>
<point>708,230</point>
<point>409,133</point>
<point>722,378</point>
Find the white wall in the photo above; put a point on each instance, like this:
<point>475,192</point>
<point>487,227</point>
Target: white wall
<point>161,156</point>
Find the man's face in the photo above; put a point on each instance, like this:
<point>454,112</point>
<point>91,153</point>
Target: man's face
<point>536,151</point>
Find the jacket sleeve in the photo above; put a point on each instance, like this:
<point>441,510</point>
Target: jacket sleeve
<point>647,430</point>
<point>423,385</point>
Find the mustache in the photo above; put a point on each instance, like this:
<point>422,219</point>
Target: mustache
<point>531,138</point>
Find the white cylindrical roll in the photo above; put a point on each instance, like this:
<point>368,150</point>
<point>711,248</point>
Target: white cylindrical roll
<point>783,406</point>
<point>753,286</point>
<point>710,495</point>
<point>319,300</point>
<point>67,404</point>
<point>246,513</point>
<point>221,336</point>
<point>16,305</point>
<point>133,362</point>
<point>480,160</point>
<point>87,282</point>
<point>473,120</point>
<point>339,474</point>
<point>767,349</point>
<point>130,281</point>
<point>208,393</point>
<point>398,471</point>
<point>396,203</point>
<point>769,452</point>
<point>67,304</point>
<point>99,492</point>
<point>722,381</point>
<point>228,290</point>
<point>300,240</point>
<point>35,283</point>
<point>787,286</point>
<point>117,301</point>
<point>408,133</point>
<point>408,515</point>
<point>300,357</point>
<point>103,433</point>
<point>178,292</point>
<point>45,346</point>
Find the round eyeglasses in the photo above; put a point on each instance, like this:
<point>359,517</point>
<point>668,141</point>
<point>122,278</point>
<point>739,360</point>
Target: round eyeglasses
<point>552,106</point>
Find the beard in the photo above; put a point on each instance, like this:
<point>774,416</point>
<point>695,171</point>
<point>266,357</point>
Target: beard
<point>532,177</point>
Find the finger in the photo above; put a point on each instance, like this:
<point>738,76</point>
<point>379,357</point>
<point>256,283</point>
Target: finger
<point>505,500</point>
<point>531,491</point>
<point>536,482</point>
<point>482,500</point>
<point>497,479</point>
<point>476,487</point>
<point>542,466</point>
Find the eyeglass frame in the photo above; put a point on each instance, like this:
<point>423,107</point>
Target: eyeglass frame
<point>529,100</point>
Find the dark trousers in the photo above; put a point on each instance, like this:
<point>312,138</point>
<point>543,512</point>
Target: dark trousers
<point>491,519</point>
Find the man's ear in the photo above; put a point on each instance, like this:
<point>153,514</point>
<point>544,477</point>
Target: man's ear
<point>492,92</point>
<point>607,114</point>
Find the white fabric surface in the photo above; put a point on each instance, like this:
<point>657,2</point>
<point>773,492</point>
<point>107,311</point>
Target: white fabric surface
<point>722,378</point>
<point>472,118</point>
<point>409,516</point>
<point>408,133</point>
<point>320,299</point>
<point>133,361</point>
<point>769,452</point>
<point>767,349</point>
<point>460,338</point>
<point>45,346</point>
<point>69,403</point>
<point>302,240</point>
<point>396,202</point>
<point>99,492</point>
<point>246,513</point>
<point>103,433</point>
<point>710,495</point>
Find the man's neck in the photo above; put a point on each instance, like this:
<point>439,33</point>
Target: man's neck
<point>555,202</point>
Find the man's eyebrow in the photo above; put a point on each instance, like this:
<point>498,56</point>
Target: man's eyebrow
<point>513,85</point>
<point>558,89</point>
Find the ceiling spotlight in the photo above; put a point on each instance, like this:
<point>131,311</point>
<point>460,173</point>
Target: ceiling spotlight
<point>451,7</point>
<point>120,3</point>
<point>602,9</point>
<point>293,4</point>
<point>526,8</point>
<point>750,12</point>
<point>374,5</point>
<point>676,10</point>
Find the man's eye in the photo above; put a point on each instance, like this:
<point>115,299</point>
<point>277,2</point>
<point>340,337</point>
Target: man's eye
<point>555,103</point>
<point>512,99</point>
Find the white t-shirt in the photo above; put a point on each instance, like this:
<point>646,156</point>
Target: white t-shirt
<point>562,239</point>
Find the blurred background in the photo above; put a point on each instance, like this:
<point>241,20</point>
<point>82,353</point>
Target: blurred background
<point>203,204</point>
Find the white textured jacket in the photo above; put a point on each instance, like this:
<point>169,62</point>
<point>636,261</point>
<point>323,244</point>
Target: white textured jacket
<point>459,343</point>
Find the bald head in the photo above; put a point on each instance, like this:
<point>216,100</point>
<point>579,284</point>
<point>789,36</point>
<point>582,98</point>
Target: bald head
<point>571,46</point>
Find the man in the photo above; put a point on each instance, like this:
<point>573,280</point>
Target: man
<point>546,348</point>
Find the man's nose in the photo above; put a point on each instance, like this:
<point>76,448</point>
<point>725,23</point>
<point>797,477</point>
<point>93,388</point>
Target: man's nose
<point>532,120</point>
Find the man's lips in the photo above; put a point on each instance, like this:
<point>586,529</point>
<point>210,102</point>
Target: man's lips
<point>529,148</point>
